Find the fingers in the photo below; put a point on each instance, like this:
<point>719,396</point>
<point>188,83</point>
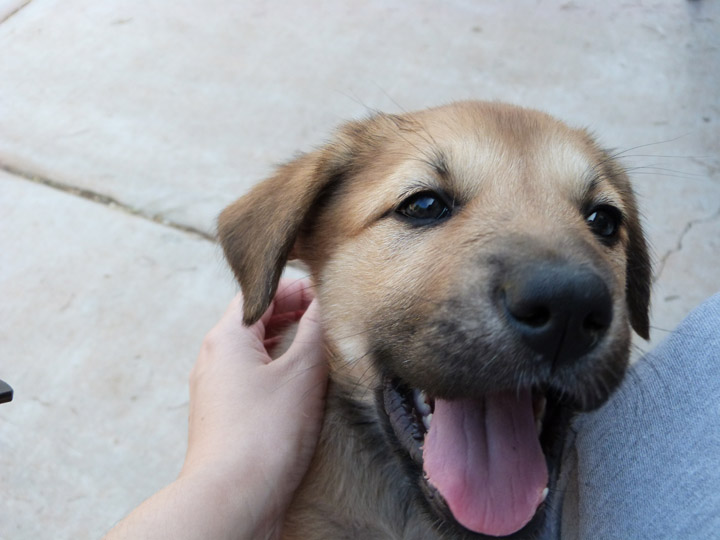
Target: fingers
<point>230,333</point>
<point>293,295</point>
<point>291,300</point>
<point>307,347</point>
<point>278,324</point>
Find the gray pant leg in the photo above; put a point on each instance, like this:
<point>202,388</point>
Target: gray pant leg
<point>647,464</point>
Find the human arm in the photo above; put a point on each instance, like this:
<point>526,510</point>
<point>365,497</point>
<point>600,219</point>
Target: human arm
<point>253,426</point>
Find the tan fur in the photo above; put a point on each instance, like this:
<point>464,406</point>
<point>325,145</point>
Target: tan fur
<point>519,181</point>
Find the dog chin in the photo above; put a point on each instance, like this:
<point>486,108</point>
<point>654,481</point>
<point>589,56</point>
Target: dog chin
<point>483,467</point>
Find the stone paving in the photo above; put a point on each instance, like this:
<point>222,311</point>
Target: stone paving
<point>125,127</point>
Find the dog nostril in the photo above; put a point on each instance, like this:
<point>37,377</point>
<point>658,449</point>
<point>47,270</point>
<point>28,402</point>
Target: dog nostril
<point>595,323</point>
<point>532,316</point>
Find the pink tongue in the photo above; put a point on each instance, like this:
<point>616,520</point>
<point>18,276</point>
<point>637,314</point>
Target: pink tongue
<point>484,458</point>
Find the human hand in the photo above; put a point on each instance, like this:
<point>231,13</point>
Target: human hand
<point>254,423</point>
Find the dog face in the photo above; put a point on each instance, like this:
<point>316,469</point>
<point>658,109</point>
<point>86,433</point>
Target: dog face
<point>479,267</point>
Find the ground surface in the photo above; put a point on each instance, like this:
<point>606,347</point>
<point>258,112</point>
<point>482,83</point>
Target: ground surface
<point>125,127</point>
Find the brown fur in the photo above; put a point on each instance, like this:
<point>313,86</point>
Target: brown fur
<point>418,301</point>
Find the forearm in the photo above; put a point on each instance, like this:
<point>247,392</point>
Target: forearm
<point>195,506</point>
<point>253,426</point>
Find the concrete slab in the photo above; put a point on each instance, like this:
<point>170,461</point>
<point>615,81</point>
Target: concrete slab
<point>176,111</point>
<point>103,315</point>
<point>681,215</point>
<point>8,8</point>
<point>692,260</point>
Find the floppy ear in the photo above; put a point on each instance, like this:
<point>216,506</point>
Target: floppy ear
<point>639,277</point>
<point>638,270</point>
<point>258,231</point>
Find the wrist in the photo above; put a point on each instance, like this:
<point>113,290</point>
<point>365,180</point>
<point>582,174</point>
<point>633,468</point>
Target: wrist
<point>246,505</point>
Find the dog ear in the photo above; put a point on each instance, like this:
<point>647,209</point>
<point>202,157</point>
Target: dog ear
<point>258,231</point>
<point>638,270</point>
<point>639,278</point>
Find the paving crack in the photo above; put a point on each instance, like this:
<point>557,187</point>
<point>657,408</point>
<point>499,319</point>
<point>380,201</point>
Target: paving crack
<point>14,11</point>
<point>679,244</point>
<point>106,200</point>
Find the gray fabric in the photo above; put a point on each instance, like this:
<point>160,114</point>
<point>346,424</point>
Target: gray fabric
<point>647,464</point>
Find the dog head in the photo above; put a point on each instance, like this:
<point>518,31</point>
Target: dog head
<point>479,268</point>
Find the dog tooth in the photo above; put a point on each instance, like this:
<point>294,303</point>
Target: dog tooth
<point>420,399</point>
<point>545,494</point>
<point>423,408</point>
<point>426,420</point>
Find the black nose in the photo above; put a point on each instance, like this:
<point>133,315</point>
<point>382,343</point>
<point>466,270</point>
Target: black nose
<point>559,310</point>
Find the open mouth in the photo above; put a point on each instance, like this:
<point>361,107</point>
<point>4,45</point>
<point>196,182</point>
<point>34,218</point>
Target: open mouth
<point>487,462</point>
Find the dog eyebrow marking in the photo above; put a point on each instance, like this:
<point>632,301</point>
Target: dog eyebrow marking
<point>439,164</point>
<point>594,183</point>
<point>594,194</point>
<point>435,158</point>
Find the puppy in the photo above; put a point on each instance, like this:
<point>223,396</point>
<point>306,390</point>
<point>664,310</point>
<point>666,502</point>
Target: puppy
<point>479,267</point>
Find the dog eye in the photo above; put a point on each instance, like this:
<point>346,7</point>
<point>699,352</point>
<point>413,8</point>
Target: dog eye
<point>604,221</point>
<point>424,208</point>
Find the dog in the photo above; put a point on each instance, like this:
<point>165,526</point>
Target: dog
<point>480,268</point>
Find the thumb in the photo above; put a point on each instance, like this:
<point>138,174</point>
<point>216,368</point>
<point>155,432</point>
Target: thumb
<point>308,348</point>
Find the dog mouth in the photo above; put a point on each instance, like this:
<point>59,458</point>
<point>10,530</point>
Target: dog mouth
<point>487,462</point>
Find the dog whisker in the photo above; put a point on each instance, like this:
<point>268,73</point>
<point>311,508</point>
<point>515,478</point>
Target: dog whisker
<point>623,153</point>
<point>667,173</point>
